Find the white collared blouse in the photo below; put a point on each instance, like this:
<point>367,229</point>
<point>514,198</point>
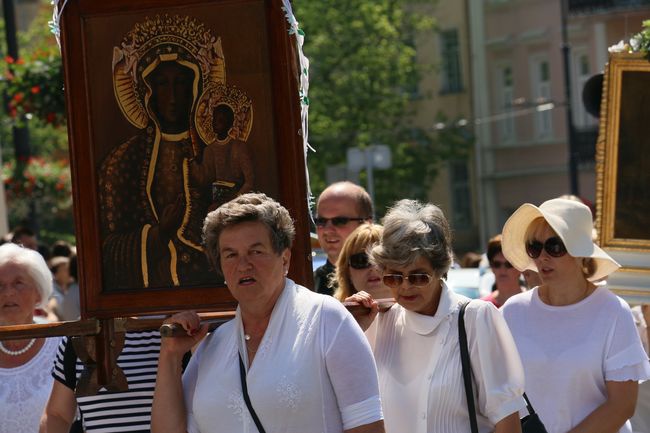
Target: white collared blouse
<point>420,375</point>
<point>313,372</point>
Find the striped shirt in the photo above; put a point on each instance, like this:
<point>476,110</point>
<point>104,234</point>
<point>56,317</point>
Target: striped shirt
<point>113,412</point>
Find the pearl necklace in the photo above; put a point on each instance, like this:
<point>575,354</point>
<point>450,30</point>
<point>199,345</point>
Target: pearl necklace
<point>3,349</point>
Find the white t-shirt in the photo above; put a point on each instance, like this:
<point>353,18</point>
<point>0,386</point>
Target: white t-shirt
<point>24,390</point>
<point>570,351</point>
<point>420,374</point>
<point>313,372</point>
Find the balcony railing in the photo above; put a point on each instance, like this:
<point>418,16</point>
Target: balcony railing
<point>599,6</point>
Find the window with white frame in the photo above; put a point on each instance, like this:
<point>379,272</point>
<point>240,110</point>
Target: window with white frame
<point>581,72</point>
<point>505,95</point>
<point>451,80</point>
<point>541,90</point>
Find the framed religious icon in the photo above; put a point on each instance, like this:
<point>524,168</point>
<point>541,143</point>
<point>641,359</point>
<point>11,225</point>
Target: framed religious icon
<point>623,166</point>
<point>175,108</point>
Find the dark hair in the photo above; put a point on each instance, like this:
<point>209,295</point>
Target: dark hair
<point>250,207</point>
<point>74,273</point>
<point>494,247</point>
<point>21,231</point>
<point>60,249</point>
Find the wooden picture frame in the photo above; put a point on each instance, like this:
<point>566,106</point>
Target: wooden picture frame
<point>174,108</point>
<point>623,173</point>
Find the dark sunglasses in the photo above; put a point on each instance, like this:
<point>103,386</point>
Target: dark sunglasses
<point>336,221</point>
<point>496,264</point>
<point>359,261</point>
<point>554,247</point>
<point>396,280</point>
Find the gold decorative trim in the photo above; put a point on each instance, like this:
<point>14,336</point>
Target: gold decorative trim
<point>152,171</point>
<point>173,271</point>
<point>144,235</point>
<point>175,137</point>
<point>162,38</point>
<point>607,149</point>
<point>635,270</point>
<point>232,97</point>
<point>188,208</point>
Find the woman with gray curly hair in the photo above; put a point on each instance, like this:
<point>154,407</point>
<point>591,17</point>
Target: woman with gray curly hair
<point>290,361</point>
<point>416,342</point>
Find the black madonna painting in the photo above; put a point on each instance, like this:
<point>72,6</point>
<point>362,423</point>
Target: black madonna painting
<point>189,152</point>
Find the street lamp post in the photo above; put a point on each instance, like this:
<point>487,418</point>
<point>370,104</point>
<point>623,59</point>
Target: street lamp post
<point>370,157</point>
<point>566,55</point>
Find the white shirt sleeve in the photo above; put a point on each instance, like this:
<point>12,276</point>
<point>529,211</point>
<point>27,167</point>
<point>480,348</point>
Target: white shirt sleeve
<point>190,377</point>
<point>496,366</point>
<point>350,367</point>
<point>625,358</point>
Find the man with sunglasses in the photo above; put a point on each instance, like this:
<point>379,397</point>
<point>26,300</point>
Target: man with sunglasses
<point>341,208</point>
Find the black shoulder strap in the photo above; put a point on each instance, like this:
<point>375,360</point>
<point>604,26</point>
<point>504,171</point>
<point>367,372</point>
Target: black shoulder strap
<point>244,389</point>
<point>467,368</point>
<point>70,364</point>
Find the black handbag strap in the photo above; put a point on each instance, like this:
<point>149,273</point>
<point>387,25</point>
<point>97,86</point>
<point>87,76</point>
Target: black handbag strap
<point>467,370</point>
<point>529,406</point>
<point>244,388</point>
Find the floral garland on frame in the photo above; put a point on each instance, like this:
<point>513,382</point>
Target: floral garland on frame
<point>639,43</point>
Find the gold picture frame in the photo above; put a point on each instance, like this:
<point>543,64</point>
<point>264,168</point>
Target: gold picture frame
<point>623,173</point>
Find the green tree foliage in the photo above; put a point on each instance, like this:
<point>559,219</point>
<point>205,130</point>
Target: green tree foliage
<point>363,79</point>
<point>33,89</point>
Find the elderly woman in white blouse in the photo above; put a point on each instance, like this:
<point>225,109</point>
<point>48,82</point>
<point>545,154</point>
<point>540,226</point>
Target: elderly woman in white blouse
<point>299,356</point>
<point>416,342</point>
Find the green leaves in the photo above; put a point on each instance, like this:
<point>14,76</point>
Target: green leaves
<point>364,76</point>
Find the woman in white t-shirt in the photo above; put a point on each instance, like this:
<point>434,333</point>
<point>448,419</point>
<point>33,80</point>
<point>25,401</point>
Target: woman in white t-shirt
<point>577,340</point>
<point>416,343</point>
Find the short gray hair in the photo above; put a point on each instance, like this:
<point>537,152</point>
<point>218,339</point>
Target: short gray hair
<point>34,264</point>
<point>413,230</point>
<point>250,207</point>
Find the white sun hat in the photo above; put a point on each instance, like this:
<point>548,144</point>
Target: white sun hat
<point>571,220</point>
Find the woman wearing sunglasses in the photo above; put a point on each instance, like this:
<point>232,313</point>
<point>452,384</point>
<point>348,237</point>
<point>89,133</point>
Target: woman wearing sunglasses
<point>416,343</point>
<point>354,272</point>
<point>581,352</point>
<point>506,276</point>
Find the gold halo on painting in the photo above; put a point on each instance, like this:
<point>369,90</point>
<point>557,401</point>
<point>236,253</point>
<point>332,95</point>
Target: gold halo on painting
<point>233,98</point>
<point>160,36</point>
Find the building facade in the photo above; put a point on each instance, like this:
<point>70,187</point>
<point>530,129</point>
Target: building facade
<point>520,100</point>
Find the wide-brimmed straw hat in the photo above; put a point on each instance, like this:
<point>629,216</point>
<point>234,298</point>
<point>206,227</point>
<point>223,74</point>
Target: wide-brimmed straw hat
<point>571,220</point>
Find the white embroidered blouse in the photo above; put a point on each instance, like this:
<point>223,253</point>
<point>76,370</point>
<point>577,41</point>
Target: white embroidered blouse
<point>420,375</point>
<point>25,389</point>
<point>313,372</point>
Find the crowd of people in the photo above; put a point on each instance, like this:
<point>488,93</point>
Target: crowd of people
<point>549,335</point>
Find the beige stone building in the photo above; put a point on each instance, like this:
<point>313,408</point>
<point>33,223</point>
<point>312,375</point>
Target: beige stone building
<point>445,92</point>
<point>519,96</point>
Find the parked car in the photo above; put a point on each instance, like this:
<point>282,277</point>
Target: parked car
<point>464,281</point>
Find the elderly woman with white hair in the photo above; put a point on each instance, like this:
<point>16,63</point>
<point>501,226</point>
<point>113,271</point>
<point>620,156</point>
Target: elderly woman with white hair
<point>416,343</point>
<point>25,365</point>
<point>580,349</point>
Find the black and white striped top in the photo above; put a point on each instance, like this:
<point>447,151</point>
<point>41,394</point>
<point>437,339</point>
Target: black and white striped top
<point>113,412</point>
